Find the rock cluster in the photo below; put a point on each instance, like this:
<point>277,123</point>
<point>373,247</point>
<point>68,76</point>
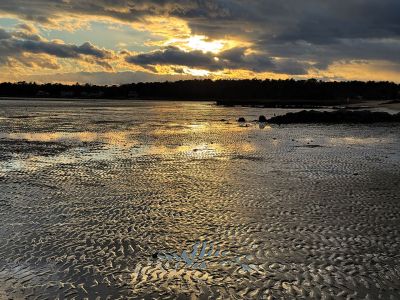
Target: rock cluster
<point>335,117</point>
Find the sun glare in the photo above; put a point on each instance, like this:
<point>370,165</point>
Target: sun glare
<point>197,72</point>
<point>200,42</point>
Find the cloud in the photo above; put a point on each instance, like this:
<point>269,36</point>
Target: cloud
<point>21,45</point>
<point>55,49</point>
<point>310,20</point>
<point>290,36</point>
<point>235,58</point>
<point>28,28</point>
<point>4,35</point>
<point>174,56</point>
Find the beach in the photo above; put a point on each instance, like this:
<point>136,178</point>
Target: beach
<point>147,199</point>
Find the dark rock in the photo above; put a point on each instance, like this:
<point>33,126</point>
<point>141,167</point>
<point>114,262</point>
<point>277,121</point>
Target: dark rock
<point>262,125</point>
<point>262,119</point>
<point>241,120</point>
<point>335,117</point>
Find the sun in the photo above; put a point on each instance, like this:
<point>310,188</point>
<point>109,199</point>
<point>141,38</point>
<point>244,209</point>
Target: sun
<point>197,72</point>
<point>200,42</point>
<point>203,43</point>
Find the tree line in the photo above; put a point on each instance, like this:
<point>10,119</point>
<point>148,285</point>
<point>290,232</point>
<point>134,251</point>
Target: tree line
<point>254,89</point>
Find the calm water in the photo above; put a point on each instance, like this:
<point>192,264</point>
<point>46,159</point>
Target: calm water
<point>175,199</point>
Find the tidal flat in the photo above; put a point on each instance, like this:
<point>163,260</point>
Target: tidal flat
<point>176,200</point>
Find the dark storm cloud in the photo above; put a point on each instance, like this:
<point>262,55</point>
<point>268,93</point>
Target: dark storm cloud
<point>314,30</point>
<point>173,56</point>
<point>231,59</point>
<point>51,48</point>
<point>346,49</point>
<point>4,34</point>
<point>44,11</point>
<point>310,20</point>
<point>14,44</point>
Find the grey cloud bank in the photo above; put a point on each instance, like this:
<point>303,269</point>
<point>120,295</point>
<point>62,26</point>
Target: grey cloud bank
<point>302,34</point>
<point>14,44</point>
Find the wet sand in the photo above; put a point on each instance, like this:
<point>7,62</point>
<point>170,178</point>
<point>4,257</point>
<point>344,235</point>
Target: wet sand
<point>176,200</point>
<point>392,107</point>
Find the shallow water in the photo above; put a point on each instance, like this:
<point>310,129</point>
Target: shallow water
<point>176,200</point>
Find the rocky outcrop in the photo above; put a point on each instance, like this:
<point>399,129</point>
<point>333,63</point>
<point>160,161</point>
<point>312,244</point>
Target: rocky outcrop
<point>335,117</point>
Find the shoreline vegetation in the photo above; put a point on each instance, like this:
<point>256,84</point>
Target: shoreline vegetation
<point>341,116</point>
<point>263,93</point>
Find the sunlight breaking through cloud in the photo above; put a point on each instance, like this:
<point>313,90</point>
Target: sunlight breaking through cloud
<point>216,39</point>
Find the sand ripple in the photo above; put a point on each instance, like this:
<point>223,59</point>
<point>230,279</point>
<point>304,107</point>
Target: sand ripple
<point>182,205</point>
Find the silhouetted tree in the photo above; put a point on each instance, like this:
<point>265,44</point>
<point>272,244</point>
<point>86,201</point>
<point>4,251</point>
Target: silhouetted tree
<point>226,91</point>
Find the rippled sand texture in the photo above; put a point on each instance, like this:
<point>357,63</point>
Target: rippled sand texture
<point>171,200</point>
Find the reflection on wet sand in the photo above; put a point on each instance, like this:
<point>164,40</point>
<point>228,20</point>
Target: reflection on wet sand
<point>117,138</point>
<point>176,200</point>
<point>124,144</point>
<point>353,140</point>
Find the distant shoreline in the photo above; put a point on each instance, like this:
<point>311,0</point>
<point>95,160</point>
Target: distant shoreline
<point>244,92</point>
<point>266,103</point>
<point>340,116</point>
<point>103,99</point>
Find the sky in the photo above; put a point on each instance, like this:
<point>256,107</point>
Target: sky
<point>122,41</point>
